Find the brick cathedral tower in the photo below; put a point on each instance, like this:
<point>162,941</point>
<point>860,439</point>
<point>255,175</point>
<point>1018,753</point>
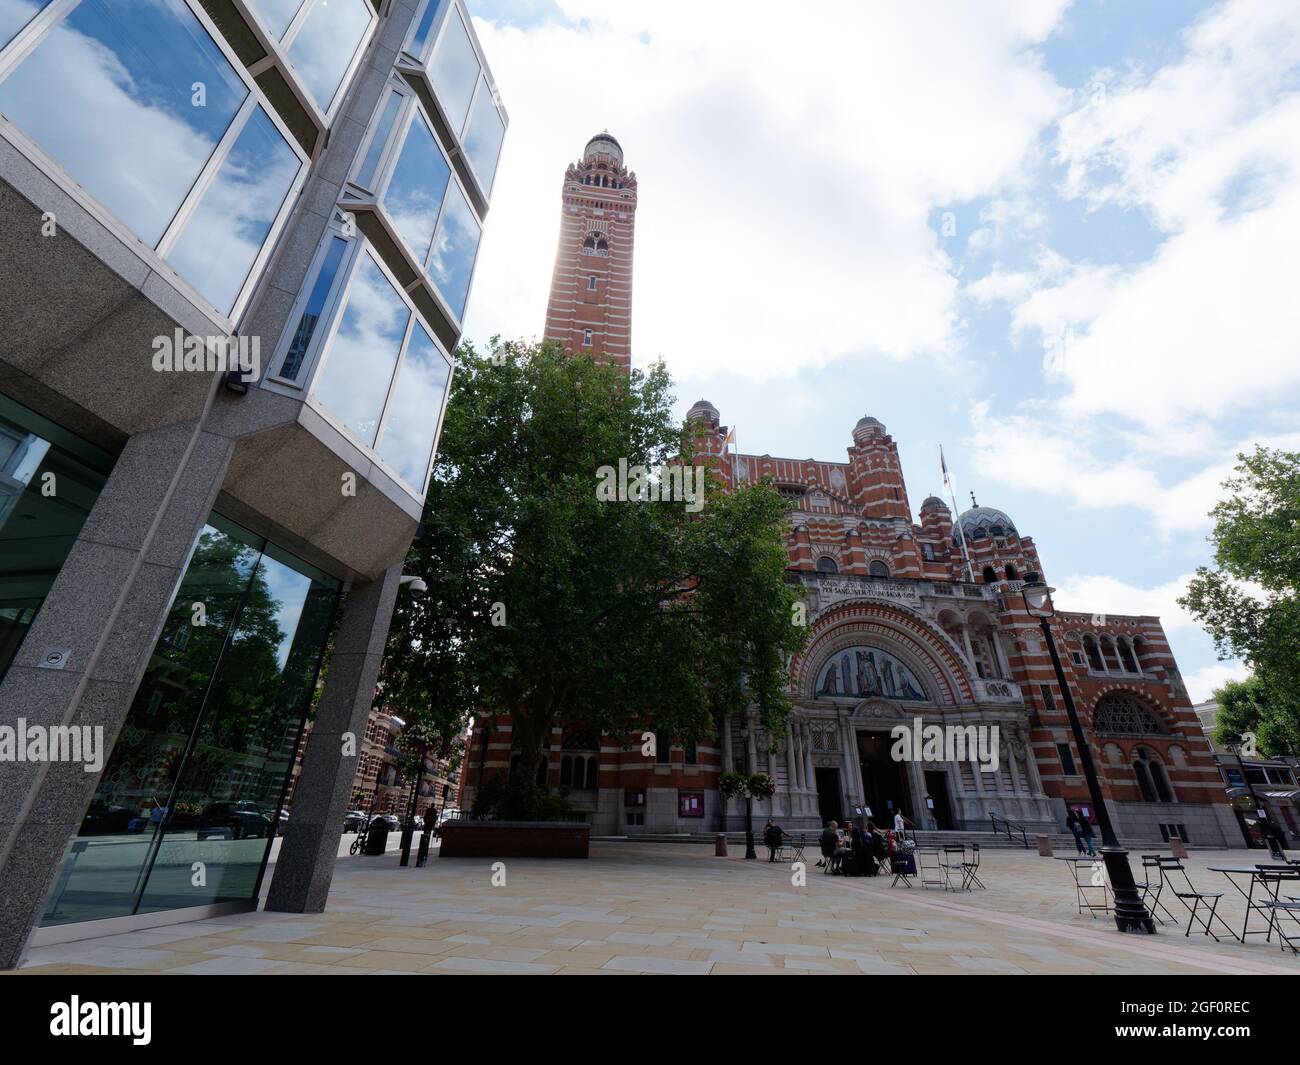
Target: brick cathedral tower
<point>591,290</point>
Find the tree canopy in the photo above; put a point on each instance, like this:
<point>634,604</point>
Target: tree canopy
<point>553,602</point>
<point>1250,603</point>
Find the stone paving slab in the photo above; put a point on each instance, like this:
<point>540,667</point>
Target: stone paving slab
<point>676,909</point>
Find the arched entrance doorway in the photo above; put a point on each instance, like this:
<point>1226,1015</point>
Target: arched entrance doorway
<point>884,780</point>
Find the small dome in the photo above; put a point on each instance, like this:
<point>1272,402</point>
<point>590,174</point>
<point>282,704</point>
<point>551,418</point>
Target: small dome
<point>981,522</point>
<point>604,143</point>
<point>867,428</point>
<point>703,410</point>
<point>931,502</point>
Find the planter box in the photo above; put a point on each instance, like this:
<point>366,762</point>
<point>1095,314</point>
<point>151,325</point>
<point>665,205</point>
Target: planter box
<point>515,839</point>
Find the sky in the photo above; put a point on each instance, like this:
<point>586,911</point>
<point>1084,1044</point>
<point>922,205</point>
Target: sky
<point>1055,238</point>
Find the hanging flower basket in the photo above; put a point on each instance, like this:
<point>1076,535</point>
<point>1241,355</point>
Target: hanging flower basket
<point>762,786</point>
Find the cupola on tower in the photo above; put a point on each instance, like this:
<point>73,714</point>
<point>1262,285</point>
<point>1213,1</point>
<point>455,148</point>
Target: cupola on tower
<point>591,289</point>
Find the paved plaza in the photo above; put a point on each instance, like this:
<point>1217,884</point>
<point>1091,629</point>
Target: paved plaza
<point>678,909</point>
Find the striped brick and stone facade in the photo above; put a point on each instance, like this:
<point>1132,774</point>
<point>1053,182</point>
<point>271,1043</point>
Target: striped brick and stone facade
<point>590,306</point>
<point>961,649</point>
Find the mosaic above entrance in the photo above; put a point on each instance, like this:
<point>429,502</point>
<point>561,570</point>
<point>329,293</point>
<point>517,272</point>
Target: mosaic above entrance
<point>857,672</point>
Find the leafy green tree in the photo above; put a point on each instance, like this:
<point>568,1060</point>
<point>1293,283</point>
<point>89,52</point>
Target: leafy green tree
<point>1244,707</point>
<point>557,606</point>
<point>1250,603</point>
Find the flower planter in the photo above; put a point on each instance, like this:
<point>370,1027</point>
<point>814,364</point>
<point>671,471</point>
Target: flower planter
<point>515,839</point>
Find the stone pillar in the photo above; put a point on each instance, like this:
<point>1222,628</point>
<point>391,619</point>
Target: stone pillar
<point>1003,665</point>
<point>852,772</point>
<point>809,768</point>
<point>105,610</point>
<point>970,651</point>
<point>919,814</point>
<point>792,760</point>
<point>303,873</point>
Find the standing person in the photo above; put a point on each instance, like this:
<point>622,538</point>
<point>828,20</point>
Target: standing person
<point>1085,827</point>
<point>772,836</point>
<point>900,824</point>
<point>1075,824</point>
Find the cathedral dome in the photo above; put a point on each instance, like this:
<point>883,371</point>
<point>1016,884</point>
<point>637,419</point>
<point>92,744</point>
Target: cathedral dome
<point>604,143</point>
<point>867,428</point>
<point>933,501</point>
<point>980,522</point>
<point>703,410</point>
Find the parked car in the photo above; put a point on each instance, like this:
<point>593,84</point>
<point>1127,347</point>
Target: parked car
<point>233,820</point>
<point>283,825</point>
<point>354,820</point>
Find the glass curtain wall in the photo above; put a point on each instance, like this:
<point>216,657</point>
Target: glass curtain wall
<point>189,803</point>
<point>49,480</point>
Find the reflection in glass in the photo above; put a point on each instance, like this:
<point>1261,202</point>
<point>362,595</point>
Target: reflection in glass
<point>420,37</point>
<point>322,50</point>
<point>416,406</point>
<point>107,94</point>
<point>359,364</point>
<point>276,14</point>
<point>484,136</point>
<point>454,69</point>
<point>414,194</point>
<point>198,770</point>
<point>311,312</point>
<point>15,14</point>
<point>221,240</point>
<point>454,247</point>
<point>37,529</point>
<point>378,140</point>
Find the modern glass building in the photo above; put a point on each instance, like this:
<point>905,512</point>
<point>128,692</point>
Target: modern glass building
<point>184,537</point>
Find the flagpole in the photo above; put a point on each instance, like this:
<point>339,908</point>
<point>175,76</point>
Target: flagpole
<point>961,536</point>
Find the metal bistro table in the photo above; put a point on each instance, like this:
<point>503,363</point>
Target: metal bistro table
<point>1262,878</point>
<point>1086,904</point>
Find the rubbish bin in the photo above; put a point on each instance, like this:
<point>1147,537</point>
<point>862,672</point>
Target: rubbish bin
<point>377,838</point>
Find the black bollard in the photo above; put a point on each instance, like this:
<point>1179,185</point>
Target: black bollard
<point>407,832</point>
<point>423,855</point>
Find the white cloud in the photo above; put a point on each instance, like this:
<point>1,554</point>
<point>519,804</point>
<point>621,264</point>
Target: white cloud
<point>1209,148</point>
<point>1104,594</point>
<point>1202,683</point>
<point>789,162</point>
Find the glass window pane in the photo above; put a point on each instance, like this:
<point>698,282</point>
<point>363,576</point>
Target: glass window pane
<point>102,873</point>
<point>415,408</point>
<point>359,365</point>
<point>484,136</point>
<point>217,247</point>
<point>107,94</point>
<point>420,38</point>
<point>311,313</point>
<point>454,69</point>
<point>366,175</point>
<point>15,14</point>
<point>452,261</point>
<point>37,530</point>
<point>323,49</point>
<point>243,749</point>
<point>276,14</point>
<point>414,194</point>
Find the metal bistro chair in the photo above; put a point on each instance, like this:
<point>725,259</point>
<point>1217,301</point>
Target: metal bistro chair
<point>798,847</point>
<point>970,870</point>
<point>1290,908</point>
<point>954,861</point>
<point>935,875</point>
<point>1171,866</point>
<point>1151,891</point>
<point>1280,880</point>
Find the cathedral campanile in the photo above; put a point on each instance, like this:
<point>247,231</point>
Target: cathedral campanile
<point>591,290</point>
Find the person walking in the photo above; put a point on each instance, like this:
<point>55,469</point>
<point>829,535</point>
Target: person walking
<point>1276,840</point>
<point>1075,824</point>
<point>1085,827</point>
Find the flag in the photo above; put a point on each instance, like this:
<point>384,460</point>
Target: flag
<point>731,438</point>
<point>944,466</point>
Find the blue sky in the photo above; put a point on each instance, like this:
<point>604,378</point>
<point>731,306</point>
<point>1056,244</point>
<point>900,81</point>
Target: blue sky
<point>1055,237</point>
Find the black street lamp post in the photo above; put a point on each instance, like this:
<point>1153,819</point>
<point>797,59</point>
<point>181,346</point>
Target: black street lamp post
<point>749,798</point>
<point>1130,912</point>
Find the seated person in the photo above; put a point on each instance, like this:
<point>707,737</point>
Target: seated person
<point>829,841</point>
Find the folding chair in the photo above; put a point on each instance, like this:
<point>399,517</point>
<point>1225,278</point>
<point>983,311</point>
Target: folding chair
<point>1151,892</point>
<point>1291,909</point>
<point>934,879</point>
<point>1170,866</point>
<point>954,860</point>
<point>1277,880</point>
<point>799,846</point>
<point>971,868</point>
